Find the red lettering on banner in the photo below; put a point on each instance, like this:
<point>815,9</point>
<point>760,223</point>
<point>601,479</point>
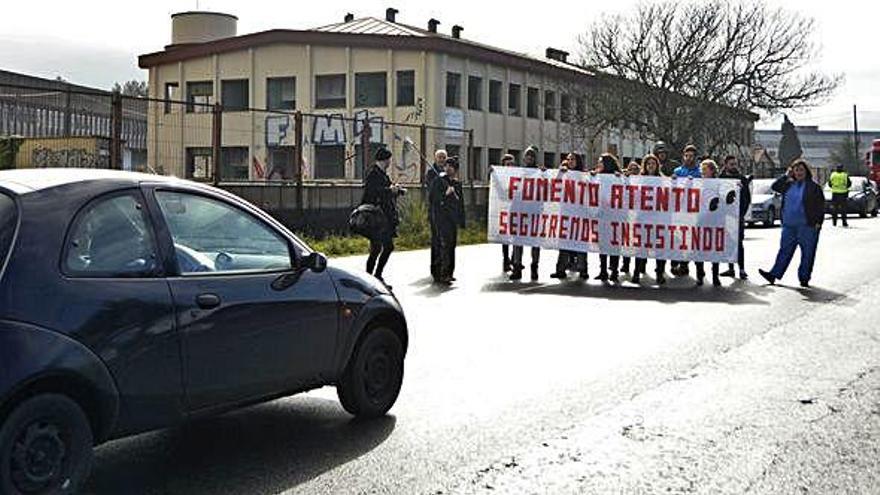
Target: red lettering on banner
<point>637,235</point>
<point>575,228</point>
<point>624,234</point>
<point>582,192</point>
<point>648,228</point>
<point>523,224</point>
<point>661,240</point>
<point>570,187</point>
<point>695,238</point>
<point>647,196</point>
<point>684,230</point>
<point>617,196</point>
<point>512,185</point>
<point>678,192</point>
<point>614,240</point>
<point>528,193</point>
<point>585,232</point>
<point>502,221</point>
<point>541,189</point>
<point>707,239</point>
<point>693,199</point>
<point>594,231</point>
<point>536,225</point>
<point>662,199</point>
<point>563,227</point>
<point>554,224</point>
<point>594,194</point>
<point>719,239</point>
<point>632,189</point>
<point>555,190</point>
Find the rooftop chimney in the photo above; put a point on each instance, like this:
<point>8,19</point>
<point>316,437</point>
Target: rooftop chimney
<point>554,54</point>
<point>456,31</point>
<point>432,25</point>
<point>349,17</point>
<point>390,14</point>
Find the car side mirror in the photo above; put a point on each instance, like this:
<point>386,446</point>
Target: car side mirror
<point>315,262</point>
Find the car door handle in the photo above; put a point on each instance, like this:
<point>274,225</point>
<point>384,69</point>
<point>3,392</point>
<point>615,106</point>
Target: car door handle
<point>208,301</point>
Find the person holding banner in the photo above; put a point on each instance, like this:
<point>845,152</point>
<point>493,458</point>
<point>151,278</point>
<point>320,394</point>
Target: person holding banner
<point>633,169</point>
<point>530,160</point>
<point>507,264</point>
<point>708,170</point>
<point>431,175</point>
<point>730,170</point>
<point>803,211</point>
<point>380,191</point>
<point>608,164</point>
<point>688,169</point>
<point>447,208</point>
<point>571,259</point>
<point>667,165</point>
<point>650,166</point>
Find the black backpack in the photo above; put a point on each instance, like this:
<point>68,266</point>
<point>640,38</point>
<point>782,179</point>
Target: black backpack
<point>368,220</point>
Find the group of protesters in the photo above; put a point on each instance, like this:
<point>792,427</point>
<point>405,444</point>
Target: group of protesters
<point>802,216</point>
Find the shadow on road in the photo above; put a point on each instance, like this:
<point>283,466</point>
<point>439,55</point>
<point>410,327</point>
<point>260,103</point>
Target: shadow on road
<point>676,290</point>
<point>822,296</point>
<point>265,449</point>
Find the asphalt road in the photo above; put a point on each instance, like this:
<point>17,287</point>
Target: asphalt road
<point>575,388</point>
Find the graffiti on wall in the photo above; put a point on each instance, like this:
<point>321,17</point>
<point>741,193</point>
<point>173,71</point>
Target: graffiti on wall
<point>43,157</point>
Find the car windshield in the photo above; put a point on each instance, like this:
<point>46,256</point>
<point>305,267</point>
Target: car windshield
<point>8,219</point>
<point>762,187</point>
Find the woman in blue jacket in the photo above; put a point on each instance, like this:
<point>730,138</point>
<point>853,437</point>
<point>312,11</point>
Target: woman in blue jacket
<point>803,211</point>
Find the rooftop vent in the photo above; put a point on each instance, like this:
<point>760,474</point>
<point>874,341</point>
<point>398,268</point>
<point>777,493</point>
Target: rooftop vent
<point>560,55</point>
<point>432,25</point>
<point>349,17</point>
<point>391,14</point>
<point>456,31</point>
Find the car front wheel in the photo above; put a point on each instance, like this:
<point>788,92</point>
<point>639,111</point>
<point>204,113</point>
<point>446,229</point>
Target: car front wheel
<point>372,380</point>
<point>45,447</point>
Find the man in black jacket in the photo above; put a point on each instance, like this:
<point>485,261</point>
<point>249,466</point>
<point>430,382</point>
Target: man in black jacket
<point>435,170</point>
<point>730,170</point>
<point>667,165</point>
<point>530,160</point>
<point>380,191</point>
<point>447,209</point>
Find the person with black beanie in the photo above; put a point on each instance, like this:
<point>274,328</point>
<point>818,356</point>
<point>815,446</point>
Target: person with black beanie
<point>381,192</point>
<point>608,164</point>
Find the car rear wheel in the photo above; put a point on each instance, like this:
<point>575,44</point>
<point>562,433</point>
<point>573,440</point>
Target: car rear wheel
<point>372,380</point>
<point>45,447</point>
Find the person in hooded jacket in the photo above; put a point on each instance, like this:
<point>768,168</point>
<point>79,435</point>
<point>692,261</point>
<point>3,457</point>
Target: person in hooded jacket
<point>447,207</point>
<point>381,192</point>
<point>608,164</point>
<point>667,165</point>
<point>571,260</point>
<point>530,160</point>
<point>730,170</point>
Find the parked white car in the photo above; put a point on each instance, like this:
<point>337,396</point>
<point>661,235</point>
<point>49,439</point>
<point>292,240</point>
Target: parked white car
<point>766,204</point>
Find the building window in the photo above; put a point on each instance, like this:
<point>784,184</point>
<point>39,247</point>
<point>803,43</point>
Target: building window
<point>532,103</point>
<point>580,108</point>
<point>280,164</point>
<point>360,167</point>
<point>234,163</point>
<point>199,164</point>
<point>199,96</point>
<point>495,156</point>
<point>330,162</point>
<point>406,88</point>
<point>475,93</point>
<point>495,96</point>
<point>477,164</point>
<point>453,90</point>
<point>371,89</point>
<point>172,93</point>
<point>330,91</point>
<point>549,105</point>
<point>565,108</point>
<point>549,160</point>
<point>514,100</point>
<point>281,93</point>
<point>236,95</point>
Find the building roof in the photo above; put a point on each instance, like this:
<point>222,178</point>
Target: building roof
<point>369,32</point>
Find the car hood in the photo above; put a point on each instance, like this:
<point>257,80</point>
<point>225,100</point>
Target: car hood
<point>760,199</point>
<point>356,284</point>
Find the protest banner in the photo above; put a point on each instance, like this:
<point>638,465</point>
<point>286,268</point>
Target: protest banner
<point>641,216</point>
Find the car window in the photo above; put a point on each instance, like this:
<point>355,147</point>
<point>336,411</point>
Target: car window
<point>214,236</point>
<point>111,237</point>
<point>763,187</point>
<point>8,221</point>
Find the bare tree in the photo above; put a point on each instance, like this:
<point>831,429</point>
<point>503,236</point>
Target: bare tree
<point>132,88</point>
<point>696,71</point>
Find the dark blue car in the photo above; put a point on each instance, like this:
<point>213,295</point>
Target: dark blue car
<point>133,302</point>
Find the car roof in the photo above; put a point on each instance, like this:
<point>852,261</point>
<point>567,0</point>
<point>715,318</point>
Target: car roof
<point>24,181</point>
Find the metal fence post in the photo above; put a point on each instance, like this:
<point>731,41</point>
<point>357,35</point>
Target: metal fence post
<point>470,156</point>
<point>67,112</point>
<point>298,159</point>
<point>365,147</point>
<point>423,162</point>
<point>116,131</point>
<point>217,142</point>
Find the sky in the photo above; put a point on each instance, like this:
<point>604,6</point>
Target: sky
<point>96,42</point>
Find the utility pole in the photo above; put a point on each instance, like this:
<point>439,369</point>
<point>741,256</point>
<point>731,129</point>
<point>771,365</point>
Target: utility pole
<point>856,133</point>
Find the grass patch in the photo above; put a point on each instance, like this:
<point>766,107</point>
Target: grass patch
<point>413,233</point>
